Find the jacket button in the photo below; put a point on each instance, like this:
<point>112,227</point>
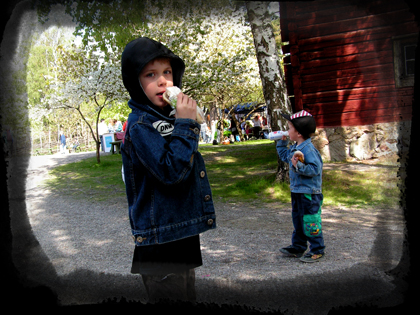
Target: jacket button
<point>207,198</point>
<point>210,222</point>
<point>140,239</point>
<point>202,174</point>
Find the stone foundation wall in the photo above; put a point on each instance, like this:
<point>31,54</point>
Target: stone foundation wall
<point>383,143</point>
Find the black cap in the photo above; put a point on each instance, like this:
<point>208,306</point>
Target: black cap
<point>303,122</point>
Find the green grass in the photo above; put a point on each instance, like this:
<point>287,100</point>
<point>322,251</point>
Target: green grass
<point>89,179</point>
<point>358,188</point>
<point>237,172</point>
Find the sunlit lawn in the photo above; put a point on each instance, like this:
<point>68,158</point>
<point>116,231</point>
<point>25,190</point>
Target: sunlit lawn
<point>237,172</point>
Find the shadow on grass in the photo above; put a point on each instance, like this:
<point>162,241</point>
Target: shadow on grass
<point>245,172</point>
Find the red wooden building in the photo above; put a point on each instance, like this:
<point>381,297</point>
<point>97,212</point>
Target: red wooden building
<point>351,62</point>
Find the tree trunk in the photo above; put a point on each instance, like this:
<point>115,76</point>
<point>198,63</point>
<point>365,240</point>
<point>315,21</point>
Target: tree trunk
<point>98,149</point>
<point>97,138</point>
<point>49,139</point>
<point>58,138</point>
<point>271,74</point>
<point>40,140</point>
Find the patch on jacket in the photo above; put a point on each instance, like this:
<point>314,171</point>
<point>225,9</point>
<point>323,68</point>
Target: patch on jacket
<point>165,128</point>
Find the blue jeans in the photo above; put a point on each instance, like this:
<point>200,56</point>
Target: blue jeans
<point>306,216</point>
<point>204,136</point>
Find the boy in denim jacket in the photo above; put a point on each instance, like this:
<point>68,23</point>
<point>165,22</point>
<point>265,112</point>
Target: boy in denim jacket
<point>305,187</point>
<point>168,192</point>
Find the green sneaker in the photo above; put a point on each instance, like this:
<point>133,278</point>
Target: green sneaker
<point>311,257</point>
<point>291,251</point>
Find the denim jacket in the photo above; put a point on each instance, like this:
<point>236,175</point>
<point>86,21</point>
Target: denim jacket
<point>306,177</point>
<point>168,191</point>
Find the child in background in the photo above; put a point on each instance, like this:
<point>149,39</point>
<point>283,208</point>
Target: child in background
<point>305,186</point>
<point>168,192</point>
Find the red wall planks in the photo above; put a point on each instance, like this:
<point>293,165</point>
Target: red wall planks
<point>342,61</point>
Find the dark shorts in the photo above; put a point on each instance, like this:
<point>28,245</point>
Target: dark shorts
<point>172,257</point>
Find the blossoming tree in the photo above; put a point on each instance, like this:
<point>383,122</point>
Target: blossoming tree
<point>87,84</point>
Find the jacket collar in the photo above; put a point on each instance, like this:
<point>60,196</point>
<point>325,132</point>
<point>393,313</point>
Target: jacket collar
<point>303,144</point>
<point>153,110</point>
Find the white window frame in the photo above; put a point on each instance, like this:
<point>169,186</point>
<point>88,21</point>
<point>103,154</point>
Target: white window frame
<point>402,79</point>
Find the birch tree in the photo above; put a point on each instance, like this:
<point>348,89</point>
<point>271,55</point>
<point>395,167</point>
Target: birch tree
<point>271,74</point>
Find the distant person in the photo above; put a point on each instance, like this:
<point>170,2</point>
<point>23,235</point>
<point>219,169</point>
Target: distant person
<point>257,126</point>
<point>62,143</point>
<point>209,135</point>
<point>203,132</point>
<point>248,129</point>
<point>76,145</point>
<point>264,121</point>
<point>102,129</point>
<point>213,131</point>
<point>117,125</point>
<point>305,186</point>
<point>111,126</point>
<point>169,197</point>
<point>242,127</point>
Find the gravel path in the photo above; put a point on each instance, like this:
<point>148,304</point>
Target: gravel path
<point>82,250</point>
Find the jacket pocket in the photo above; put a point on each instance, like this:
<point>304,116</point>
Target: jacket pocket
<point>312,224</point>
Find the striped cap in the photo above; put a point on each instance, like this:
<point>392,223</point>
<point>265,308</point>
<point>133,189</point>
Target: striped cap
<point>302,113</point>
